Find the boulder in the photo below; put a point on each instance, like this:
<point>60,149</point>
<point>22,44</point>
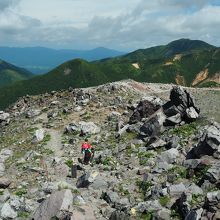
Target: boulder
<point>176,190</point>
<point>5,154</point>
<point>86,179</point>
<point>193,189</point>
<point>154,125</point>
<point>5,195</point>
<point>4,116</point>
<point>7,212</point>
<point>38,136</point>
<point>83,212</point>
<point>213,173</point>
<point>2,169</point>
<point>170,156</point>
<point>4,182</point>
<point>194,214</point>
<point>72,128</point>
<point>148,206</point>
<point>181,206</point>
<point>99,183</point>
<point>119,215</point>
<point>84,128</point>
<point>212,199</point>
<point>192,113</point>
<point>89,128</point>
<point>144,109</point>
<point>61,171</point>
<point>181,107</point>
<point>209,143</point>
<point>163,214</point>
<point>58,205</point>
<point>111,197</point>
<point>33,113</point>
<point>157,144</point>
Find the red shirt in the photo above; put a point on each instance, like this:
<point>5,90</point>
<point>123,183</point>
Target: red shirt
<point>86,146</point>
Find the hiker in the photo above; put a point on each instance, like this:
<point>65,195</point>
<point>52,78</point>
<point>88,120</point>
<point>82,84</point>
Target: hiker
<point>86,150</point>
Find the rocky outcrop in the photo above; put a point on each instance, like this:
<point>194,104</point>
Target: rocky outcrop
<point>144,109</point>
<point>38,136</point>
<point>60,206</point>
<point>180,109</point>
<point>141,168</point>
<point>4,118</point>
<point>86,179</point>
<point>209,143</point>
<point>82,128</point>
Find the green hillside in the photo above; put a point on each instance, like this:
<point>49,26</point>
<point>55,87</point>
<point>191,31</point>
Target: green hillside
<point>10,74</point>
<point>184,62</point>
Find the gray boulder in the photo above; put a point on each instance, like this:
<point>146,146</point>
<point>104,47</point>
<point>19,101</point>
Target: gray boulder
<point>7,212</point>
<point>154,125</point>
<point>144,109</point>
<point>89,128</point>
<point>4,182</point>
<point>72,128</point>
<point>5,154</point>
<point>111,197</point>
<point>119,215</point>
<point>86,179</point>
<point>38,136</point>
<point>181,107</point>
<point>194,214</point>
<point>213,173</point>
<point>33,113</point>
<point>84,128</point>
<point>170,156</point>
<point>58,205</point>
<point>209,142</point>
<point>4,117</point>
<point>147,206</point>
<point>177,190</point>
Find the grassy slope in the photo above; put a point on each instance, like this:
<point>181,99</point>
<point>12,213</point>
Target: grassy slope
<point>10,74</point>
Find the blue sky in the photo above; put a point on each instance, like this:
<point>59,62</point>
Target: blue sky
<point>119,24</point>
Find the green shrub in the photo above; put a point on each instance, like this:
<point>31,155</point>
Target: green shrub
<point>21,192</point>
<point>69,163</point>
<point>164,200</point>
<point>144,186</point>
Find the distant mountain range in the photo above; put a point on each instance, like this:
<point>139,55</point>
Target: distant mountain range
<point>40,60</point>
<point>10,74</point>
<point>183,62</point>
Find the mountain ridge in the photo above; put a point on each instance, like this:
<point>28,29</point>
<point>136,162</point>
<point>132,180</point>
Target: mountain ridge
<point>10,73</point>
<point>183,69</point>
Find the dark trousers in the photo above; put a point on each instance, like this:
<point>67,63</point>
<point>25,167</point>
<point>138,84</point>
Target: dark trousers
<point>87,157</point>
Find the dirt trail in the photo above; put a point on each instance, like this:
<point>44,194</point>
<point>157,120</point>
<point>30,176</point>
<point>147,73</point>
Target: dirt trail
<point>55,143</point>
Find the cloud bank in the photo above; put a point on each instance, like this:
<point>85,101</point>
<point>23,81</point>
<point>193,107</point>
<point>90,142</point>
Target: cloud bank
<point>126,26</point>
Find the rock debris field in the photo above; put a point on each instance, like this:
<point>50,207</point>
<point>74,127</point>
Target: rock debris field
<point>157,154</point>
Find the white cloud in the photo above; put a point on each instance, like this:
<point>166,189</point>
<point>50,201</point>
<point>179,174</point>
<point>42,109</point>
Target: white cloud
<point>118,24</point>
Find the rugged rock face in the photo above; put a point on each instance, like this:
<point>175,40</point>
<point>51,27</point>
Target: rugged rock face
<point>180,109</point>
<point>209,143</point>
<point>152,160</point>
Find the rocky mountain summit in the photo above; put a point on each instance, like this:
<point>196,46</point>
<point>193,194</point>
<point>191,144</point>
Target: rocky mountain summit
<point>157,154</point>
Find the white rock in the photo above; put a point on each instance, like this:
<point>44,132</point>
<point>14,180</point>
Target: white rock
<point>89,128</point>
<point>4,116</point>
<point>191,113</point>
<point>8,212</point>
<point>176,190</point>
<point>39,136</point>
